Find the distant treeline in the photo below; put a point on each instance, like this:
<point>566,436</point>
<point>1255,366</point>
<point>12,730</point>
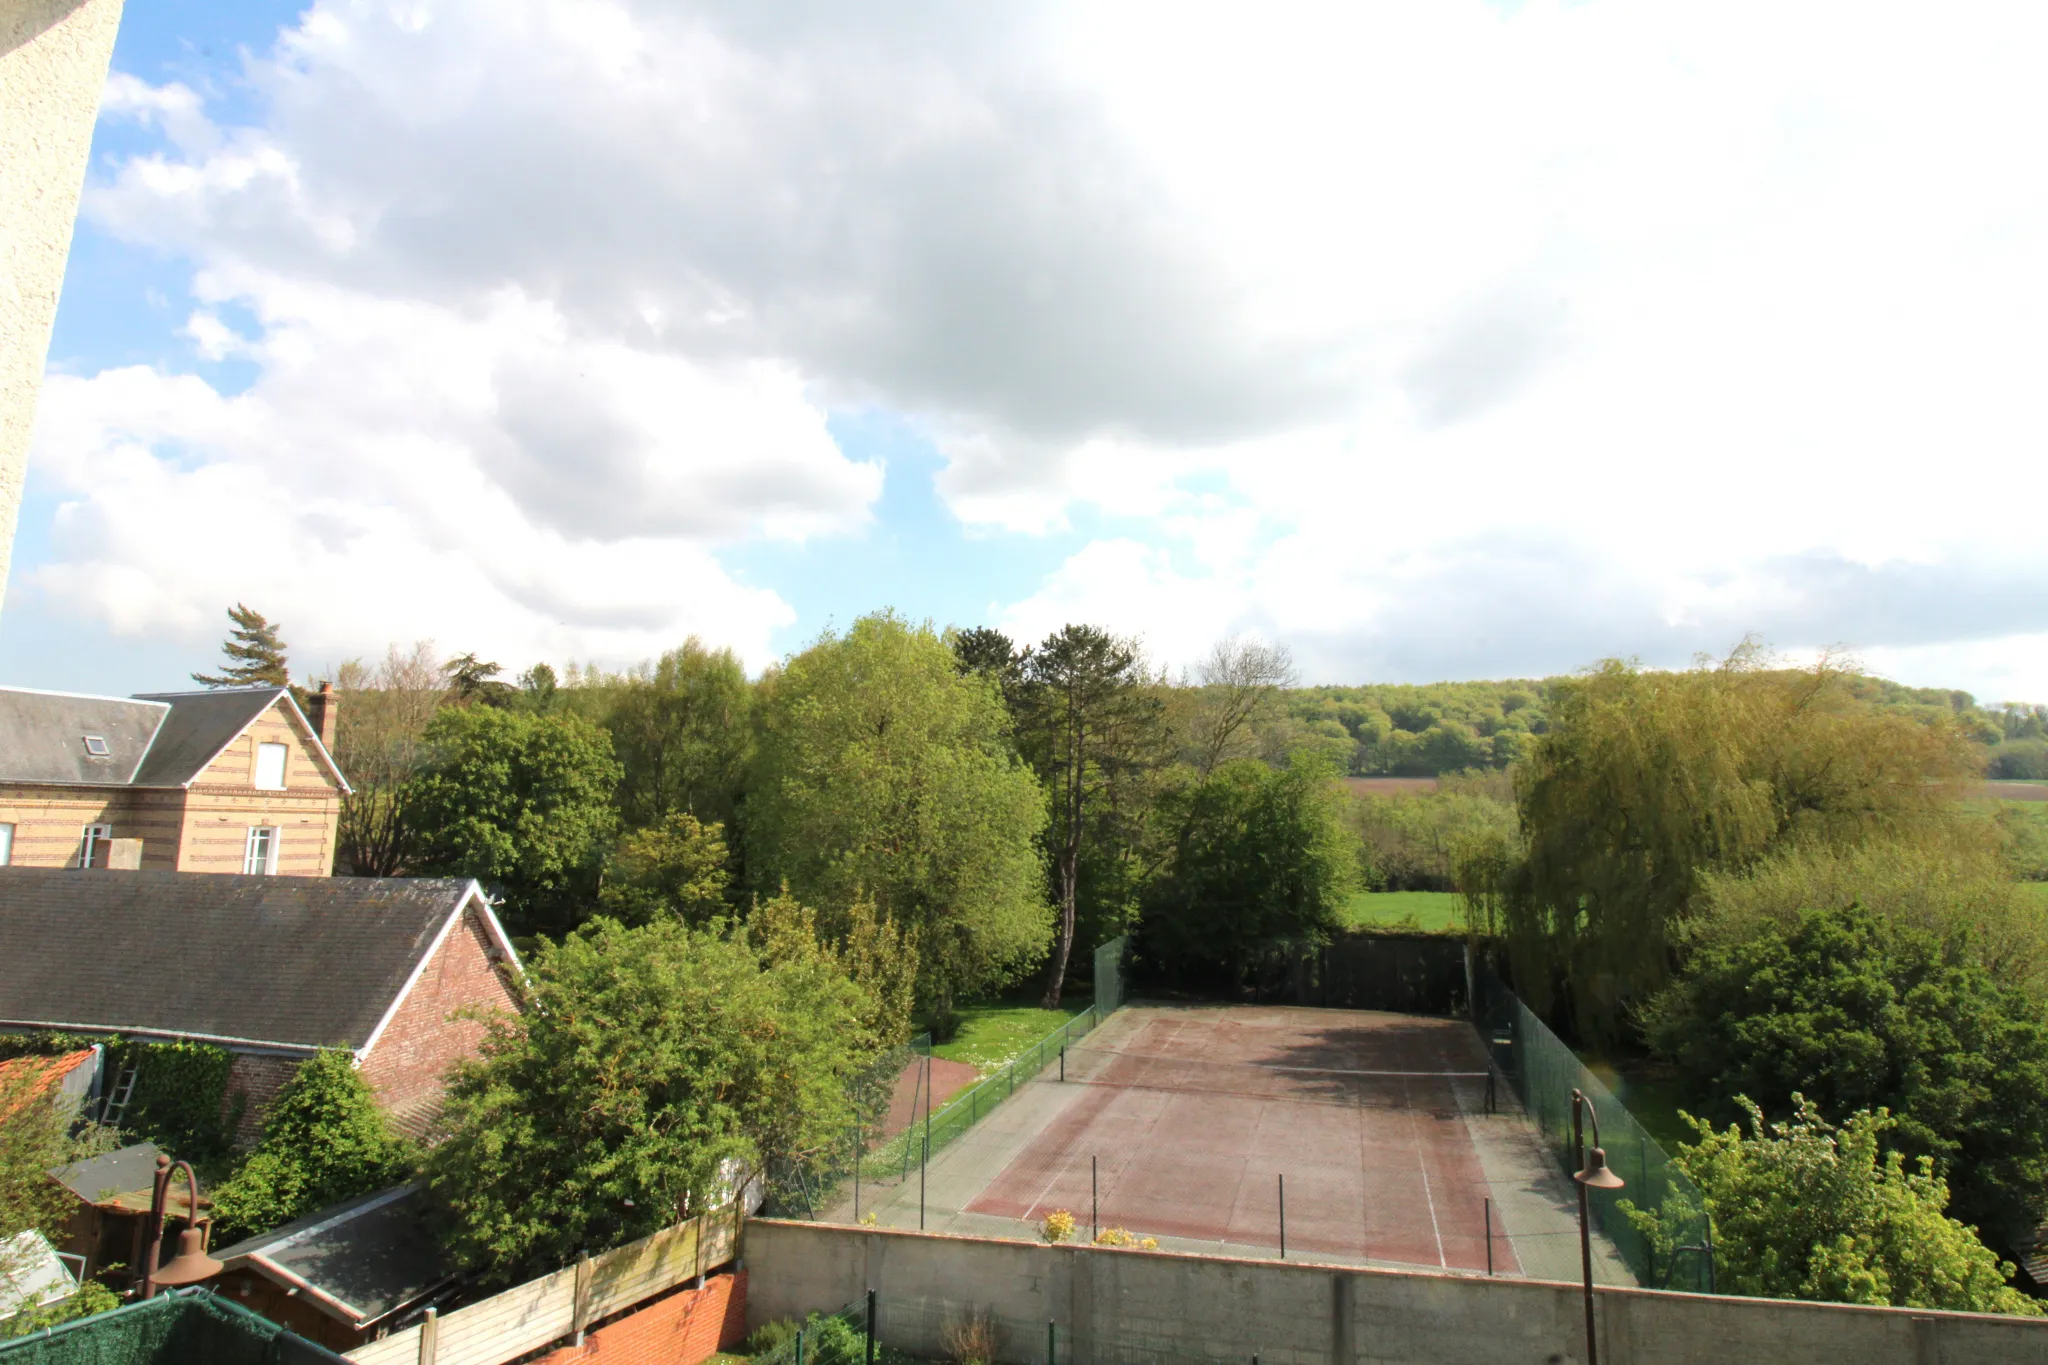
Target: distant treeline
<point>1429,729</point>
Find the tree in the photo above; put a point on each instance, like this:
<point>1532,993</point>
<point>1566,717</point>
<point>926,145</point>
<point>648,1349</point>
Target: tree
<point>1240,682</point>
<point>324,1140</point>
<point>1085,721</point>
<point>682,731</point>
<point>36,1137</point>
<point>988,652</point>
<point>655,1072</point>
<point>1648,780</point>
<point>1856,1012</point>
<point>522,801</point>
<point>1807,1210</point>
<point>1260,854</point>
<point>473,682</point>
<point>381,722</point>
<point>879,958</point>
<point>884,774</point>
<point>676,869</point>
<point>255,655</point>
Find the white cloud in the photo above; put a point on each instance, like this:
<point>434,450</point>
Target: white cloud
<point>1437,338</point>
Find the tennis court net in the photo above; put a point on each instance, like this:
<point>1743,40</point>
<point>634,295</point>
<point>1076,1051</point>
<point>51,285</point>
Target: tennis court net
<point>1435,1091</point>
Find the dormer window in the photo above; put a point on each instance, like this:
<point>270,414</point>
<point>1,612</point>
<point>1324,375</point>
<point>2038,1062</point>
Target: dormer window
<point>96,746</point>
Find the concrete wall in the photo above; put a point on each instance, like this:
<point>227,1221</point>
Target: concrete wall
<point>53,63</point>
<point>1125,1305</point>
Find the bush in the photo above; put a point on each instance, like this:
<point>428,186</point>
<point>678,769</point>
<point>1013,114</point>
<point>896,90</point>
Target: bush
<point>1806,1210</point>
<point>2020,760</point>
<point>325,1141</point>
<point>1858,1012</point>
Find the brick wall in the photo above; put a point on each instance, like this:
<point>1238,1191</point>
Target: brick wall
<point>686,1328</point>
<point>257,1080</point>
<point>408,1067</point>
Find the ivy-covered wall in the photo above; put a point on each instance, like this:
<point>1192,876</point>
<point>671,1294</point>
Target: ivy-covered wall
<point>180,1101</point>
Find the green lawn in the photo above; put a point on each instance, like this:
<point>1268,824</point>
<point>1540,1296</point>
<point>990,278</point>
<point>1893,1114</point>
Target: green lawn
<point>1430,911</point>
<point>990,1035</point>
<point>2038,890</point>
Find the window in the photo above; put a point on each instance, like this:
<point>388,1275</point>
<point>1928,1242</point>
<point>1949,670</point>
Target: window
<point>93,844</point>
<point>96,746</point>
<point>6,845</point>
<point>259,856</point>
<point>270,767</point>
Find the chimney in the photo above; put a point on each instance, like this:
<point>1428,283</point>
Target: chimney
<point>321,713</point>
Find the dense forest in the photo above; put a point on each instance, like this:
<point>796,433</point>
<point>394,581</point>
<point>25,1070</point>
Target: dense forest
<point>1424,730</point>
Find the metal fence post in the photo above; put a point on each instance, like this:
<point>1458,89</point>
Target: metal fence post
<point>1052,1346</point>
<point>871,1328</point>
<point>1094,1201</point>
<point>1283,1217</point>
<point>1488,1207</point>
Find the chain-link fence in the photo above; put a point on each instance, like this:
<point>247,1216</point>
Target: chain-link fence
<point>1543,1073</point>
<point>902,1121</point>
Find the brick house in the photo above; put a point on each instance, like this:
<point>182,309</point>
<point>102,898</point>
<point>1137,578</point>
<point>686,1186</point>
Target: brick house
<point>271,969</point>
<point>236,779</point>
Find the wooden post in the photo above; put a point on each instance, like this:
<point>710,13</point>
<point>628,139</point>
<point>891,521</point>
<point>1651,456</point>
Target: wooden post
<point>580,1313</point>
<point>430,1336</point>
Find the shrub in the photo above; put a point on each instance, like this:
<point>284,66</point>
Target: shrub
<point>1057,1227</point>
<point>970,1339</point>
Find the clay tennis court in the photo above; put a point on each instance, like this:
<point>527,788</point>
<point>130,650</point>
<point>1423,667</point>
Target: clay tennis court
<point>1193,1115</point>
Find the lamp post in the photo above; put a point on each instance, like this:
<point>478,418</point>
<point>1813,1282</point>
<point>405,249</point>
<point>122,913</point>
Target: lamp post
<point>1593,1173</point>
<point>191,1264</point>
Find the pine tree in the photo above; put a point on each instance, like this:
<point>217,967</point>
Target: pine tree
<point>255,654</point>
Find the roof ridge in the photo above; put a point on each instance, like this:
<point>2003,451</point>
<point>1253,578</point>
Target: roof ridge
<point>145,698</point>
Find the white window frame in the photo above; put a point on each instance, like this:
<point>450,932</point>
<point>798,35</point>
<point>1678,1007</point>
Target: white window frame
<point>6,844</point>
<point>282,753</point>
<point>93,844</point>
<point>259,851</point>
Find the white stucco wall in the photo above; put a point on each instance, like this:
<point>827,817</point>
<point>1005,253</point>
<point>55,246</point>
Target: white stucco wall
<point>53,65</point>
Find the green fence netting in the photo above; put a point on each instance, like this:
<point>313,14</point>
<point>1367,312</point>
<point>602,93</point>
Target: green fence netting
<point>185,1327</point>
<point>1544,1073</point>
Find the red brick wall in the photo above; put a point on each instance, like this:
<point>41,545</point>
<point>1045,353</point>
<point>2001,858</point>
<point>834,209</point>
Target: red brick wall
<point>257,1080</point>
<point>408,1067</point>
<point>686,1328</point>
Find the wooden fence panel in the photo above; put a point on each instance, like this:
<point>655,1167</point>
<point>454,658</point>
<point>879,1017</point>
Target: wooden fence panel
<point>533,1314</point>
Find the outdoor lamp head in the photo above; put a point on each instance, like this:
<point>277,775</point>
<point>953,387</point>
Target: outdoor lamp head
<point>192,1264</point>
<point>1597,1176</point>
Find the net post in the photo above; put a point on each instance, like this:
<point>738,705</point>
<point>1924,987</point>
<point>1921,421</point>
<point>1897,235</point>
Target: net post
<point>1063,1061</point>
<point>1094,1200</point>
<point>1283,1217</point>
<point>1488,1209</point>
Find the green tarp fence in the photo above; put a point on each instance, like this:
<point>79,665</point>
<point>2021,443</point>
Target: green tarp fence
<point>182,1327</point>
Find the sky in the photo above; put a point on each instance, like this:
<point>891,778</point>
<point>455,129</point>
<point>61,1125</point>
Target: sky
<point>1456,340</point>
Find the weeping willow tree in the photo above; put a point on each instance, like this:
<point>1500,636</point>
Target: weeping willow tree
<point>1649,781</point>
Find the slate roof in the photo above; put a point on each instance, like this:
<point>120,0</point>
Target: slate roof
<point>363,1259</point>
<point>288,962</point>
<point>42,736</point>
<point>158,739</point>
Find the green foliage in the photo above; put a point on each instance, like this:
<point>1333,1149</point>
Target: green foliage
<point>92,1297</point>
<point>879,958</point>
<point>1420,912</point>
<point>1421,731</point>
<point>324,1140</point>
<point>2022,828</point>
<point>1417,843</point>
<point>2024,760</point>
<point>1259,854</point>
<point>1961,890</point>
<point>885,774</point>
<point>1091,728</point>
<point>648,1059</point>
<point>675,869</point>
<point>522,801</point>
<point>1806,1210</point>
<point>1859,1012</point>
<point>180,1100</point>
<point>254,653</point>
<point>1646,781</point>
<point>34,1138</point>
<point>681,727</point>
